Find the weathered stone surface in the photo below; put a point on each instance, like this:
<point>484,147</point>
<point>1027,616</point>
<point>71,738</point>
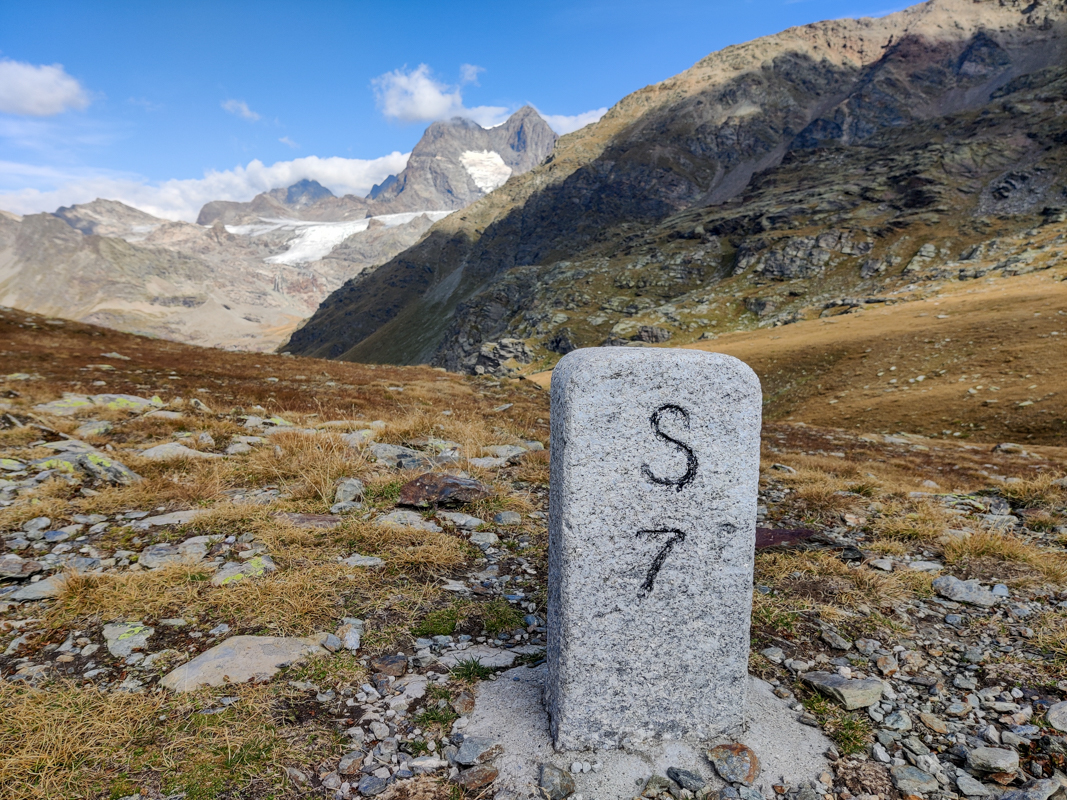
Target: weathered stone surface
<point>477,777</point>
<point>964,591</point>
<point>406,519</point>
<point>44,589</point>
<point>390,665</point>
<point>735,763</point>
<point>1038,790</point>
<point>476,750</point>
<point>1057,716</point>
<point>348,490</point>
<point>993,759</point>
<point>400,457</point>
<point>911,780</point>
<point>173,518</point>
<point>555,783</point>
<point>686,779</point>
<point>158,555</point>
<point>122,638</point>
<point>460,520</point>
<point>308,520</point>
<point>654,471</point>
<point>970,787</point>
<point>850,693</point>
<point>441,489</point>
<point>93,463</point>
<point>240,659</point>
<point>234,572</point>
<point>13,566</point>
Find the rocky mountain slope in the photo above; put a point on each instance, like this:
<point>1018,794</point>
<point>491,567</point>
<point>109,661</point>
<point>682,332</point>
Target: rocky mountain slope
<point>248,273</point>
<point>839,159</point>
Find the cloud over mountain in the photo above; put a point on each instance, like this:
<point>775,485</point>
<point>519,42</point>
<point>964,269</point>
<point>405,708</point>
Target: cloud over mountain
<point>38,91</point>
<point>182,199</point>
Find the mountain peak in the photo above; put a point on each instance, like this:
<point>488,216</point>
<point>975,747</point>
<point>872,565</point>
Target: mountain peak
<point>305,192</point>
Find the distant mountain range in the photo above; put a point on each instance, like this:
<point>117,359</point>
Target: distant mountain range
<point>248,273</point>
<point>797,175</point>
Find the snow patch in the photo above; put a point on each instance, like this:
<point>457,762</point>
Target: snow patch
<point>313,241</point>
<point>486,168</point>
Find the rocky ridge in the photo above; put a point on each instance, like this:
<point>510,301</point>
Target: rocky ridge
<point>818,160</point>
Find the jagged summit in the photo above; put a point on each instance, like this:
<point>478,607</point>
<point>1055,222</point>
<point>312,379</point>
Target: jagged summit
<point>306,192</point>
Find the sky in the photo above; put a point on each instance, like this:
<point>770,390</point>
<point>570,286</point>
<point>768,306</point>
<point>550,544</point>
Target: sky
<point>166,106</point>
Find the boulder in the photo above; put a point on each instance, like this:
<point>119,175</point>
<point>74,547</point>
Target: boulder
<point>850,693</point>
<point>964,591</point>
<point>440,489</point>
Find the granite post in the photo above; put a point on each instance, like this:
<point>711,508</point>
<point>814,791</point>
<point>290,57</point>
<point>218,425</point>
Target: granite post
<point>652,522</point>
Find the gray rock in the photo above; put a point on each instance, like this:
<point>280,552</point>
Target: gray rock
<point>93,428</point>
<point>363,561</point>
<point>484,539</point>
<point>45,589</point>
<point>970,787</point>
<point>406,519</point>
<point>350,632</point>
<point>234,571</point>
<point>477,751</point>
<point>158,555</point>
<point>897,721</point>
<point>911,780</point>
<point>173,518</point>
<point>507,518</point>
<point>633,529</point>
<point>993,759</point>
<point>686,779</point>
<point>371,785</point>
<point>555,783</point>
<point>964,591</point>
<point>122,638</point>
<point>1038,790</point>
<point>850,693</point>
<point>836,640</point>
<point>460,520</point>
<point>240,659</point>
<point>12,566</point>
<point>348,490</point>
<point>37,525</point>
<point>399,457</point>
<point>1057,716</point>
<point>735,763</point>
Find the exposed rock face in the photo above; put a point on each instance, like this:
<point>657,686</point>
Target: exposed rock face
<point>248,273</point>
<point>797,157</point>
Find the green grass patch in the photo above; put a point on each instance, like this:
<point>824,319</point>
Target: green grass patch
<point>499,615</point>
<point>471,669</point>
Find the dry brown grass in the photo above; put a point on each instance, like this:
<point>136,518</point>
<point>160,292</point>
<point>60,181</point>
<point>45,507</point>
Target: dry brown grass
<point>64,741</point>
<point>1040,491</point>
<point>1006,547</point>
<point>534,467</point>
<point>309,465</point>
<point>912,521</point>
<point>823,578</point>
<point>13,517</point>
<point>1051,629</point>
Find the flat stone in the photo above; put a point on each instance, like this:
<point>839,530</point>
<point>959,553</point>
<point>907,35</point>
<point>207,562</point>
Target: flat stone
<point>406,519</point>
<point>504,451</point>
<point>964,591</point>
<point>686,779</point>
<point>488,462</point>
<point>507,518</point>
<point>1057,716</point>
<point>44,589</point>
<point>238,449</point>
<point>174,450</point>
<point>67,406</point>
<point>936,724</point>
<point>993,759</point>
<point>850,693</point>
<point>93,428</point>
<point>735,763</point>
<point>441,489</point>
<point>1039,790</point>
<point>308,520</point>
<point>173,518</point>
<point>240,659</point>
<point>969,786</point>
<point>897,721</point>
<point>912,780</point>
<point>399,457</point>
<point>460,520</point>
<point>484,538</point>
<point>12,566</point>
<point>654,474</point>
<point>555,783</point>
<point>494,657</point>
<point>233,572</point>
<point>93,463</point>
<point>365,562</point>
<point>395,666</point>
<point>477,777</point>
<point>122,638</point>
<point>836,640</point>
<point>371,785</point>
<point>475,750</point>
<point>423,765</point>
<point>350,632</point>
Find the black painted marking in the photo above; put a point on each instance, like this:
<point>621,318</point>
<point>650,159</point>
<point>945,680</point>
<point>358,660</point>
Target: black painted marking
<point>690,457</point>
<point>661,556</point>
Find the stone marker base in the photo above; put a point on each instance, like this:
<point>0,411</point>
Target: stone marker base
<point>511,711</point>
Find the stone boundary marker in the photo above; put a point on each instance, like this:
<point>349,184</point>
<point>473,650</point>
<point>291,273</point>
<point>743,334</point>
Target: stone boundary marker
<point>652,521</point>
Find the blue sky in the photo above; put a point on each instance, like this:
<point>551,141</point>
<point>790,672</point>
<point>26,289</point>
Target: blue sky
<point>168,105</point>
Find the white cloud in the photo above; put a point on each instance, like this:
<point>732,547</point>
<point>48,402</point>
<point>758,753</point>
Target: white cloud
<point>562,123</point>
<point>47,188</point>
<point>468,73</point>
<point>38,91</point>
<point>416,96</point>
<point>240,108</point>
<point>289,142</point>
